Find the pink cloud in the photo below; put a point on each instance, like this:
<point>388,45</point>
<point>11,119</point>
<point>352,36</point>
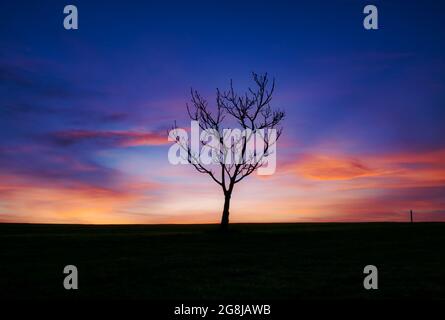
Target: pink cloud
<point>115,138</point>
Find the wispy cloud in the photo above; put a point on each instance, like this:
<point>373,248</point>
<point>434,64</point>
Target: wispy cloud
<point>424,168</point>
<point>111,138</point>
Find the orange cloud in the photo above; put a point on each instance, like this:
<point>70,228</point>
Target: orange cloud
<point>409,169</point>
<point>324,167</point>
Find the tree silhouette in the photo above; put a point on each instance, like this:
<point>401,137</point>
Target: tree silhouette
<point>253,113</point>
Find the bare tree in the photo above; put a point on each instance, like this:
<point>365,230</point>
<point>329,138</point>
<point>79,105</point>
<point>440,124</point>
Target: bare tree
<point>253,113</point>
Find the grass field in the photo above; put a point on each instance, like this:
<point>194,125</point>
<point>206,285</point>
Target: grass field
<point>253,261</point>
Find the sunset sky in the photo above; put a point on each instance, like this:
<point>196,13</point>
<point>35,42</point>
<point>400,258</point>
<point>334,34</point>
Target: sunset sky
<point>84,113</point>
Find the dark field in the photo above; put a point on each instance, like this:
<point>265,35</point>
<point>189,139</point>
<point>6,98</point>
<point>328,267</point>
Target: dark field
<point>253,261</point>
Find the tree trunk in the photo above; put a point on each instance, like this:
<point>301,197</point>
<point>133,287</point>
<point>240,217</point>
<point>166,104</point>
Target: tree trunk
<point>225,215</point>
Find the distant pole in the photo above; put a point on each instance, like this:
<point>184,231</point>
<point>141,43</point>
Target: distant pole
<point>411,215</point>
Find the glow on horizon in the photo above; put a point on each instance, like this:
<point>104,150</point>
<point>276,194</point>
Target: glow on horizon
<point>311,188</point>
